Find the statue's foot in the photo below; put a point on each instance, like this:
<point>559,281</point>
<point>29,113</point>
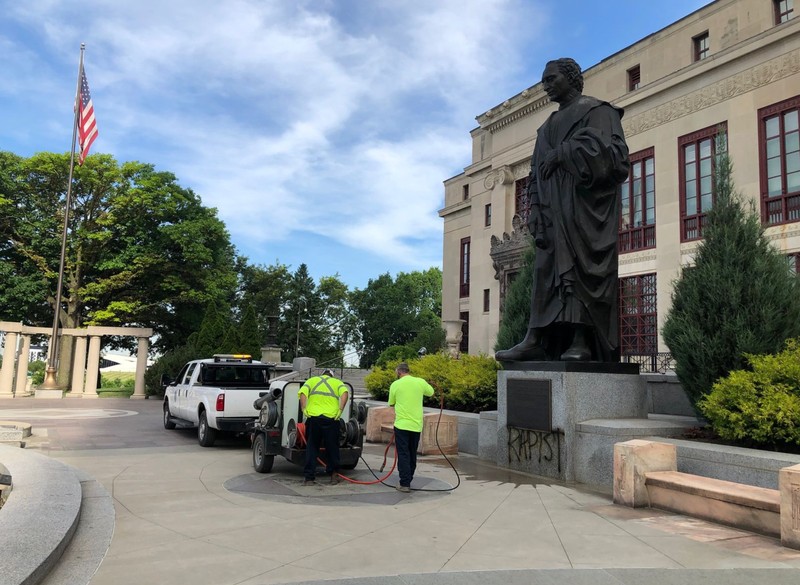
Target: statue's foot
<point>522,352</point>
<point>577,353</point>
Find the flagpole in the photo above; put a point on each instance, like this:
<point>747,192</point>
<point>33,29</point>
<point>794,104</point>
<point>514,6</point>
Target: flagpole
<point>50,382</point>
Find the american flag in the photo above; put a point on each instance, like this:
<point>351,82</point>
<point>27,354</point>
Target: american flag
<point>87,126</point>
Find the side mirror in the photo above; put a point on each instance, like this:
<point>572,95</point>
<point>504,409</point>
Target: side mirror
<point>165,380</point>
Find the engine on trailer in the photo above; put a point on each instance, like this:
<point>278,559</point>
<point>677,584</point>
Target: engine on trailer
<point>280,429</point>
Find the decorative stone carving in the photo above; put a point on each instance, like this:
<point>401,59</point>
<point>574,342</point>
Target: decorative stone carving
<point>499,176</point>
<point>453,335</point>
<point>506,254</point>
<point>725,89</point>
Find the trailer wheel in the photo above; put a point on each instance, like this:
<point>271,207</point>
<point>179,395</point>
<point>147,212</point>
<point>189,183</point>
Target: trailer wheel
<point>262,463</point>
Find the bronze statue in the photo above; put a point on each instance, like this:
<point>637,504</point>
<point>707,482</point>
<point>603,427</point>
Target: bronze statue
<point>579,162</point>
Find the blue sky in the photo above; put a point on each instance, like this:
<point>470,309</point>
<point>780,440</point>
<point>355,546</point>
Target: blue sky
<point>321,130</point>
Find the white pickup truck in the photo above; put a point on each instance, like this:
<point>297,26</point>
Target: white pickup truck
<point>215,394</point>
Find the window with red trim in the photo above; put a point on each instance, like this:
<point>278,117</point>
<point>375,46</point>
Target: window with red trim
<point>522,207</point>
<point>779,138</point>
<point>702,48</point>
<point>464,271</point>
<point>794,262</point>
<point>697,154</point>
<point>637,225</point>
<point>784,10</point>
<point>638,315</point>
<point>634,78</point>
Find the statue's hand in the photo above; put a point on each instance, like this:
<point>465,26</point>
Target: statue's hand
<point>549,164</point>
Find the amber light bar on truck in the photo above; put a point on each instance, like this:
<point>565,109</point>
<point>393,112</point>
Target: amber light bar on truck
<point>232,358</point>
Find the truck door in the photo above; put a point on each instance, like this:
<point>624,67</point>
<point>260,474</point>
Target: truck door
<point>182,391</point>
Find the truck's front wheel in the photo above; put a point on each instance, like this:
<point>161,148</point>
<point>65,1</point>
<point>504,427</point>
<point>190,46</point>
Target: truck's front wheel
<point>205,434</point>
<point>262,463</point>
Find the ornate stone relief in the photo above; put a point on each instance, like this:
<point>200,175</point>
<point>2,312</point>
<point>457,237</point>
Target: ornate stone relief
<point>506,254</point>
<point>636,257</point>
<point>499,176</point>
<point>725,89</point>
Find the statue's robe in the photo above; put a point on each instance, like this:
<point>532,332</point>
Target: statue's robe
<point>575,215</point>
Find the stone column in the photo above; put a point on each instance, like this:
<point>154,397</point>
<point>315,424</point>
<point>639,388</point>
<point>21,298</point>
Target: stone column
<point>78,368</point>
<point>141,366</point>
<point>7,371</point>
<point>21,386</point>
<point>92,368</point>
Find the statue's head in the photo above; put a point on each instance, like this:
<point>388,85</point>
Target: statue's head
<point>571,70</point>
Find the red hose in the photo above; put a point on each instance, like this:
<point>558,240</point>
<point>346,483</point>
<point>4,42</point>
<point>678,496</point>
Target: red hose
<point>301,430</point>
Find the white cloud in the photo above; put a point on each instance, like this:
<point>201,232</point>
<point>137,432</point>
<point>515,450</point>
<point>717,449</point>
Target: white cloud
<point>288,119</point>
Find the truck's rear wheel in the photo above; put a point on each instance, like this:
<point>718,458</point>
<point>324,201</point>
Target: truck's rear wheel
<point>262,462</point>
<point>168,424</point>
<point>205,434</point>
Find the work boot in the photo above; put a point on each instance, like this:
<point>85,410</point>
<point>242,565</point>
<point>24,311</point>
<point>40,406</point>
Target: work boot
<point>309,482</point>
<point>529,349</point>
<point>404,489</point>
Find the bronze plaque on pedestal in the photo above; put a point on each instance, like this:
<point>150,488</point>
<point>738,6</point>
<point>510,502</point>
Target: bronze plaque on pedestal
<point>529,404</point>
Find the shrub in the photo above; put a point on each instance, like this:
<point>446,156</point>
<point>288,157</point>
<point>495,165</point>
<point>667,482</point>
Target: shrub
<point>517,306</point>
<point>761,406</point>
<point>170,363</point>
<point>37,370</point>
<point>469,383</point>
<point>739,297</point>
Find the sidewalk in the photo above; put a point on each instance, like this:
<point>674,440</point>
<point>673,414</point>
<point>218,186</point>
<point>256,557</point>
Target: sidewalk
<point>185,514</point>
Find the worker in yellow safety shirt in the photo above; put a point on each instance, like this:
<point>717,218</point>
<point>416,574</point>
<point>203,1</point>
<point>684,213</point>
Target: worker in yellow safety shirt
<point>405,394</point>
<point>322,399</point>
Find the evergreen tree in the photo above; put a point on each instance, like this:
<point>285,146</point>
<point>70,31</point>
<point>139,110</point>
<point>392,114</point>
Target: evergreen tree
<point>517,309</point>
<point>248,333</point>
<point>739,297</point>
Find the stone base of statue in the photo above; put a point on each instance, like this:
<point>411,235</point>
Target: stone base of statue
<point>541,405</point>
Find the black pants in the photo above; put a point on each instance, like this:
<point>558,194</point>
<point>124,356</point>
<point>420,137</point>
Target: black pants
<point>407,443</point>
<point>321,430</point>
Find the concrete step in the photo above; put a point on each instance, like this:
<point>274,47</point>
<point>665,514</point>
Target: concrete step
<point>39,517</point>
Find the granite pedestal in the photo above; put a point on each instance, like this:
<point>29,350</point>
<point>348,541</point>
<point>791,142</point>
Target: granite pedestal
<point>541,404</point>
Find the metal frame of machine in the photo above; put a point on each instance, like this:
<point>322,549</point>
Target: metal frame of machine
<point>276,432</point>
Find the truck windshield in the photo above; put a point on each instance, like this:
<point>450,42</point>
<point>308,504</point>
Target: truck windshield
<point>234,375</point>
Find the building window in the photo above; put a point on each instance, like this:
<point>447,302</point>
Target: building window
<point>779,138</point>
<point>794,262</point>
<point>701,46</point>
<point>637,228</point>
<point>784,10</point>
<point>522,207</point>
<point>697,153</point>
<point>638,315</point>
<point>465,192</point>
<point>486,300</point>
<point>487,215</point>
<point>634,78</point>
<point>464,346</point>
<point>464,272</point>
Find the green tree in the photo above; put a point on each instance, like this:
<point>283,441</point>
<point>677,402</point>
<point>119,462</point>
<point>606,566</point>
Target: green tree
<point>517,307</point>
<point>141,251</point>
<point>405,310</point>
<point>264,288</point>
<point>739,297</point>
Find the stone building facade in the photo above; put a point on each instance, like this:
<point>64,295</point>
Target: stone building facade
<point>725,76</point>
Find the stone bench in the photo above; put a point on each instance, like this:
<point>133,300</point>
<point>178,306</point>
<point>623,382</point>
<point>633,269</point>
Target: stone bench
<point>380,427</point>
<point>752,508</point>
<point>645,474</point>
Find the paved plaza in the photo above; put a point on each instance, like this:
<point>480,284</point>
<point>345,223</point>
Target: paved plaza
<point>187,514</point>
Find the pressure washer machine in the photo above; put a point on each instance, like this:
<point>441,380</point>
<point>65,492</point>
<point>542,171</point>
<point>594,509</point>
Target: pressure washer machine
<point>280,430</point>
